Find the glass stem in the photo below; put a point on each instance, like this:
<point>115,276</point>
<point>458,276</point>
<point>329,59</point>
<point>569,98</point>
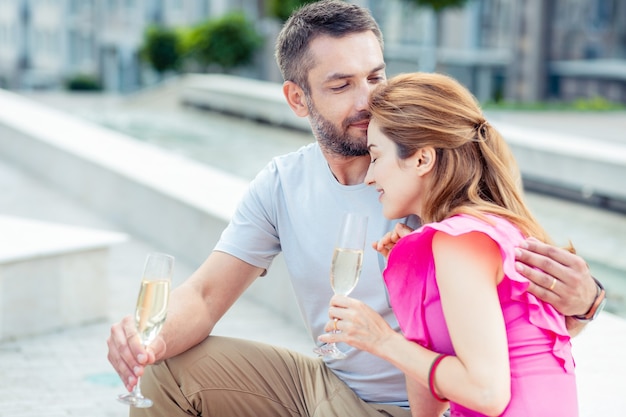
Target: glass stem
<point>335,331</point>
<point>137,390</point>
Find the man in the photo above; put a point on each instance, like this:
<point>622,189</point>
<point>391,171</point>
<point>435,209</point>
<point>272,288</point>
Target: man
<point>330,54</point>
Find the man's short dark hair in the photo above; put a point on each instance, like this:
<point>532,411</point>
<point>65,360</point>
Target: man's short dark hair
<point>334,18</point>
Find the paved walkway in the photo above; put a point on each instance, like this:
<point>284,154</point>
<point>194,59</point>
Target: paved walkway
<point>66,373</point>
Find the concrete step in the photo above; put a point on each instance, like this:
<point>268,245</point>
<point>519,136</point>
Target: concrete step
<point>52,276</point>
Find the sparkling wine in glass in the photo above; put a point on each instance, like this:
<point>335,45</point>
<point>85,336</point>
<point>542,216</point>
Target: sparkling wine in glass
<point>346,267</point>
<point>151,311</point>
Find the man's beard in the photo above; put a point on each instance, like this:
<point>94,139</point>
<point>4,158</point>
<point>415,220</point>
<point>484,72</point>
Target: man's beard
<point>337,141</point>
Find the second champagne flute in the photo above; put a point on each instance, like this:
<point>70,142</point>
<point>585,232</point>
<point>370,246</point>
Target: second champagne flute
<point>151,311</point>
<point>346,267</point>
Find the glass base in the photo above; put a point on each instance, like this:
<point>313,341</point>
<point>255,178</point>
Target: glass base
<point>135,401</point>
<point>329,350</point>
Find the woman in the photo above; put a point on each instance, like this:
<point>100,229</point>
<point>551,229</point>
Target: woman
<point>472,334</point>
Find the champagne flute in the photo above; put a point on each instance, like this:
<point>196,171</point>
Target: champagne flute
<point>346,267</point>
<point>151,311</point>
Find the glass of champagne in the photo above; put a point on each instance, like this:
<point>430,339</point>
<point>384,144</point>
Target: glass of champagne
<point>346,267</point>
<point>151,311</point>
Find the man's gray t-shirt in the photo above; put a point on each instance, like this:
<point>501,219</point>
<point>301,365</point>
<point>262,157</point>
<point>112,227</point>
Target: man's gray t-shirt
<point>295,205</point>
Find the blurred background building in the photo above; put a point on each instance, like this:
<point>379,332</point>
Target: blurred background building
<point>517,50</point>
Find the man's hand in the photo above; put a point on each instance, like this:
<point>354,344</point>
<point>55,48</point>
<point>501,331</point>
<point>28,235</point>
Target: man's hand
<point>557,276</point>
<point>389,240</point>
<point>127,354</point>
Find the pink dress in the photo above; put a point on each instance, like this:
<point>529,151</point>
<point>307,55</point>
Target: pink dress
<point>542,367</point>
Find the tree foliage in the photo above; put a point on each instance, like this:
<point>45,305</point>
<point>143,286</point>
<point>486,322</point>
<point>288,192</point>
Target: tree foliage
<point>282,9</point>
<point>438,5</point>
<point>229,41</point>
<point>162,48</point>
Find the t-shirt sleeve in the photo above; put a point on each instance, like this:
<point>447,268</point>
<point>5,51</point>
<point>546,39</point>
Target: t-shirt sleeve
<point>251,234</point>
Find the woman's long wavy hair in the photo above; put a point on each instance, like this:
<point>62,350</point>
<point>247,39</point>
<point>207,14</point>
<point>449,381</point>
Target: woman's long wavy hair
<point>475,171</point>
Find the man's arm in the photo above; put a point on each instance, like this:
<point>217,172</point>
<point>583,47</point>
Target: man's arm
<point>194,309</point>
<point>559,278</point>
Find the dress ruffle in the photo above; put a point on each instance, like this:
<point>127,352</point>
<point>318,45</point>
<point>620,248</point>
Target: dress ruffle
<point>411,261</point>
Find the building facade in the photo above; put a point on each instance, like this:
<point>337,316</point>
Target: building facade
<point>45,42</point>
<point>518,50</point>
<point>13,47</point>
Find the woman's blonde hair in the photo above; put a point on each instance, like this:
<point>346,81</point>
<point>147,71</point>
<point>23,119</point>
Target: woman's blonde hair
<point>475,171</point>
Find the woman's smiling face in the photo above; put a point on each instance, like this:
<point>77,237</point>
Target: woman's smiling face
<point>400,182</point>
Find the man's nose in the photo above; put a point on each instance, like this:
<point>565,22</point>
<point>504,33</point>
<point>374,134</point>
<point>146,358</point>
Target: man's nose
<point>363,95</point>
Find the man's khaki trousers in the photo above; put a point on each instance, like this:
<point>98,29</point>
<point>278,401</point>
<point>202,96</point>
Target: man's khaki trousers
<point>227,377</point>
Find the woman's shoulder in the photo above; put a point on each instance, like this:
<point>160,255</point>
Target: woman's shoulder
<point>465,223</point>
<point>497,228</point>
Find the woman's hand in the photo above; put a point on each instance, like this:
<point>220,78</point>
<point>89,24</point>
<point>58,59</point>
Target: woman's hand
<point>358,325</point>
<point>389,240</point>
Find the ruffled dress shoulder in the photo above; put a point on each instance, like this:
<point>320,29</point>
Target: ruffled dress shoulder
<point>414,295</point>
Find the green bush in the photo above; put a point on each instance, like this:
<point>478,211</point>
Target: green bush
<point>83,82</point>
<point>228,42</point>
<point>162,49</point>
<point>582,104</point>
<point>282,9</point>
<point>596,104</point>
<point>438,5</point>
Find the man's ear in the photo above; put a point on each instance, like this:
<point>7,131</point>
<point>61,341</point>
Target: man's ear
<point>425,160</point>
<point>295,98</point>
